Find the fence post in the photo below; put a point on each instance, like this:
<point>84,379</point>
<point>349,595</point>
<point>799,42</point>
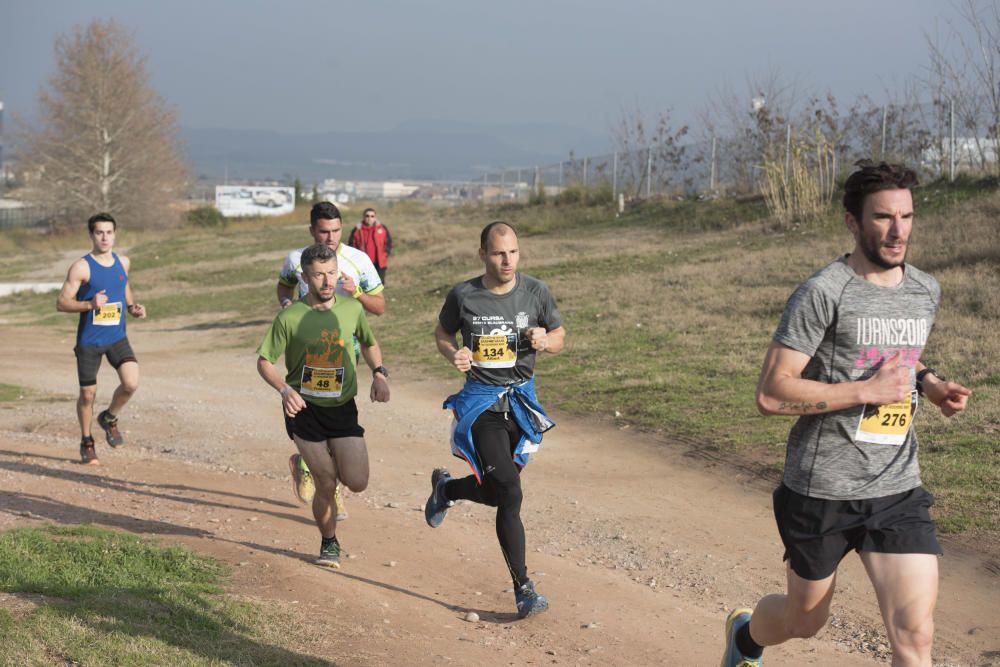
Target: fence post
<point>614,178</point>
<point>561,184</point>
<point>584,173</point>
<point>788,151</point>
<point>951,148</point>
<point>712,175</point>
<point>885,118</point>
<point>649,170</point>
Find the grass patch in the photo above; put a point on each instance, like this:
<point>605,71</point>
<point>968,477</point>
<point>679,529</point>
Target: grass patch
<point>10,392</point>
<point>114,599</point>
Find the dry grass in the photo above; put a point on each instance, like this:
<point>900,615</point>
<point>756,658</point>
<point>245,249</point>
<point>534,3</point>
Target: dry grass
<point>669,310</point>
<point>804,190</point>
<point>668,327</point>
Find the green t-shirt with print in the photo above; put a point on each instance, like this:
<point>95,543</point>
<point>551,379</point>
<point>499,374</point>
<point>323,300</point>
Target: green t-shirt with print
<point>319,349</point>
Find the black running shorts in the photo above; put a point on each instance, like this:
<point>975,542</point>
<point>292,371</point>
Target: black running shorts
<point>88,359</point>
<point>315,423</point>
<point>818,533</point>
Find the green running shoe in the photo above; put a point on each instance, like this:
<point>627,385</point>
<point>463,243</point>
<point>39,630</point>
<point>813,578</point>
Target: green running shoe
<point>302,481</point>
<point>733,658</point>
<point>329,553</point>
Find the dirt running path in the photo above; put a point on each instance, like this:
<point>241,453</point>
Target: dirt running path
<point>641,549</point>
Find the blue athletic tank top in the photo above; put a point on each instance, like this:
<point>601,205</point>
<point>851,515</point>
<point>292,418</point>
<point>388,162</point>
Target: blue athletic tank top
<point>102,327</point>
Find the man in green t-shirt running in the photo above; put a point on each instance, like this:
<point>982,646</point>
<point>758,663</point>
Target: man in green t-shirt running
<point>315,335</point>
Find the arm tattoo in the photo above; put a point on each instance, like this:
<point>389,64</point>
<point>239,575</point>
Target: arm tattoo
<point>804,408</point>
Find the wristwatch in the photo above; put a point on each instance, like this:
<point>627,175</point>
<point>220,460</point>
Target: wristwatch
<point>381,369</point>
<point>922,374</point>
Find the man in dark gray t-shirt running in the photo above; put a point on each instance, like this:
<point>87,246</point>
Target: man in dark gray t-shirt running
<point>845,359</point>
<point>506,320</point>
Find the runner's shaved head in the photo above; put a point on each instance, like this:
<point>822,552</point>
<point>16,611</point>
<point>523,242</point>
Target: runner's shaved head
<point>498,227</point>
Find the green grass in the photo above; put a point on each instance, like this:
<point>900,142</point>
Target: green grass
<point>114,599</point>
<point>10,392</point>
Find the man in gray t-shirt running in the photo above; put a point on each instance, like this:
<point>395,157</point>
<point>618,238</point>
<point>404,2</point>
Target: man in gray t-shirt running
<point>845,359</point>
<point>506,320</point>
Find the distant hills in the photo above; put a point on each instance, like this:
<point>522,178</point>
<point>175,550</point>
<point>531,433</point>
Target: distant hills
<point>417,150</point>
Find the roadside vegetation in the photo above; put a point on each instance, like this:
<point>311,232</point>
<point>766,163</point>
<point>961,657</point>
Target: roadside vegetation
<point>669,309</point>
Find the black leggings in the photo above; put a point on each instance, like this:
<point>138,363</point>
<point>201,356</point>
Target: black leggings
<point>495,436</point>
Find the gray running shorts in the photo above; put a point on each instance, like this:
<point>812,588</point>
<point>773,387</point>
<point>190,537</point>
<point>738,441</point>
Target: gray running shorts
<point>88,359</point>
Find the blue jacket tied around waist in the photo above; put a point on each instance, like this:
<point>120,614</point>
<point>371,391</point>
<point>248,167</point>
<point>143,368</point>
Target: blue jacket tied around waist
<point>475,398</point>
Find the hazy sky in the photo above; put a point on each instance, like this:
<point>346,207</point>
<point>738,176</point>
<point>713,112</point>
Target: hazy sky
<point>310,65</point>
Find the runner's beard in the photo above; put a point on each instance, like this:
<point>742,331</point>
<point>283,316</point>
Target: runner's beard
<point>322,299</point>
<point>871,252</point>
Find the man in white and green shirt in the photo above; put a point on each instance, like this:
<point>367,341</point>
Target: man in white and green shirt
<point>315,335</point>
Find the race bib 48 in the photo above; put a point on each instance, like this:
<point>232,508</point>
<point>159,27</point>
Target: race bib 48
<point>321,382</point>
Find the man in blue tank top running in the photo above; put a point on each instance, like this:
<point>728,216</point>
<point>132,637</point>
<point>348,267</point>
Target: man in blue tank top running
<point>97,288</point>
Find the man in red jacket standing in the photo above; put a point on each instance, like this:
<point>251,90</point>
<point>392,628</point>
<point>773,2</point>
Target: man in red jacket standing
<point>372,237</point>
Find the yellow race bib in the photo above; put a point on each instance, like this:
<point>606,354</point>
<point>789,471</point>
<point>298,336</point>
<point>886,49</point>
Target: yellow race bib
<point>108,315</point>
<point>321,382</point>
<point>494,350</point>
<point>887,424</point>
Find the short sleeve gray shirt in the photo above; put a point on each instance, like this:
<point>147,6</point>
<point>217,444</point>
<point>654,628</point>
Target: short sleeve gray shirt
<point>848,326</point>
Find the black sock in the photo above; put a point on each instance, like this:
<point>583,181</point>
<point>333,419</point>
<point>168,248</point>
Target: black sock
<point>745,643</point>
<point>328,540</point>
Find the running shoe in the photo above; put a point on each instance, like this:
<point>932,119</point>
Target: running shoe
<point>338,503</point>
<point>528,601</point>
<point>302,482</point>
<point>88,453</point>
<point>437,505</point>
<point>329,553</point>
<point>733,658</point>
<point>110,425</point>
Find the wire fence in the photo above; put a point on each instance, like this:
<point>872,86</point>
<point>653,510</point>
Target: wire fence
<point>936,139</point>
<point>25,216</point>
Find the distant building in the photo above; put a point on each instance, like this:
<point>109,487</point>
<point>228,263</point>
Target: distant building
<point>334,189</point>
<point>970,152</point>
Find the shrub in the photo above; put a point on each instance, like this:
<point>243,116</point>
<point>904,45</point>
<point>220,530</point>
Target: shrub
<point>206,216</point>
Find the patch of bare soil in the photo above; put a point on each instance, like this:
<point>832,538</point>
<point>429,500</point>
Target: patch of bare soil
<point>641,547</point>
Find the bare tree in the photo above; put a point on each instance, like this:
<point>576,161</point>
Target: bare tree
<point>105,140</point>
<point>650,156</point>
<point>751,125</point>
<point>965,71</point>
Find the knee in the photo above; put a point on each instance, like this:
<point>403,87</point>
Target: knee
<point>87,395</point>
<point>804,626</point>
<point>325,484</point>
<point>915,638</point>
<point>509,494</point>
<point>356,485</point>
<point>129,386</point>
